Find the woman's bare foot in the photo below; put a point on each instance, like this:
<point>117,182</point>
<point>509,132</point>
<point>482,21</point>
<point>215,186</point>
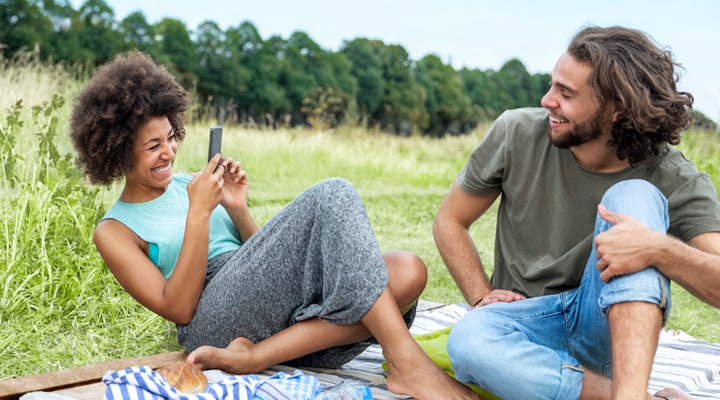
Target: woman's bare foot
<point>673,394</point>
<point>236,358</point>
<point>420,378</point>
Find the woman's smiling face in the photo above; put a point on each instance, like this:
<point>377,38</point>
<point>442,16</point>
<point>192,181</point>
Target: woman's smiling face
<point>154,152</point>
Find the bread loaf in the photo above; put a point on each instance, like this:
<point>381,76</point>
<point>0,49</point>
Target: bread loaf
<point>185,377</point>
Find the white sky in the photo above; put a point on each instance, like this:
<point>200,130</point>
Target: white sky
<point>472,33</point>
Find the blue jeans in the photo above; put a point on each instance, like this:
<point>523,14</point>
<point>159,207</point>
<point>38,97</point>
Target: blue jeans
<point>537,348</point>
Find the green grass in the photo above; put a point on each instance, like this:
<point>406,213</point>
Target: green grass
<point>61,308</point>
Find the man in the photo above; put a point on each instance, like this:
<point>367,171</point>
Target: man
<point>597,213</point>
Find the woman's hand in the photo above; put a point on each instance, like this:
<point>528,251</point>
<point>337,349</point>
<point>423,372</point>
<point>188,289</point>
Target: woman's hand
<point>235,197</point>
<point>205,191</point>
<point>236,184</point>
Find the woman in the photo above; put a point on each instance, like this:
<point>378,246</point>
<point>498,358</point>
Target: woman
<point>309,288</point>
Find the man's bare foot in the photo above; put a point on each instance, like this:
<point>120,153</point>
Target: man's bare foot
<point>422,379</point>
<point>235,358</point>
<point>673,394</point>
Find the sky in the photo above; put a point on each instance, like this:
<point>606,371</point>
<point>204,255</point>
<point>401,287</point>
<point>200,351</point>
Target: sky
<point>472,33</point>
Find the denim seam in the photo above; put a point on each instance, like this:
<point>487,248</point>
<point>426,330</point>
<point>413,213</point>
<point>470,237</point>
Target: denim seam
<point>663,293</point>
<point>566,308</point>
<point>573,367</point>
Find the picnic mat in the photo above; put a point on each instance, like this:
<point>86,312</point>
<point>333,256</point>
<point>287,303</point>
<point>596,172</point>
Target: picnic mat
<point>681,361</point>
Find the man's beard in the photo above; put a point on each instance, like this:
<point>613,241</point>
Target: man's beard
<point>583,133</point>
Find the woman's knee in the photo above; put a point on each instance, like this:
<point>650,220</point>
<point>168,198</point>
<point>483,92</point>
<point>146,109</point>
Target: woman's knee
<point>408,276</point>
<point>338,186</point>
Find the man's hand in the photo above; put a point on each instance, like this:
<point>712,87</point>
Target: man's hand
<point>625,248</point>
<point>499,295</point>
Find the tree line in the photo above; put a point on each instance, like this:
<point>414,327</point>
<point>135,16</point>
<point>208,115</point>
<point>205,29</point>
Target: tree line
<point>239,76</point>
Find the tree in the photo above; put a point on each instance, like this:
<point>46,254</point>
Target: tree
<point>402,104</point>
<point>324,107</point>
<point>22,26</point>
<point>98,31</point>
<point>260,96</point>
<point>177,51</point>
<point>62,44</point>
<point>212,57</point>
<point>340,71</point>
<point>296,78</point>
<point>138,33</point>
<point>447,105</point>
<point>479,88</point>
<point>516,84</point>
<point>701,122</point>
<point>541,84</point>
<point>366,68</point>
<point>59,12</point>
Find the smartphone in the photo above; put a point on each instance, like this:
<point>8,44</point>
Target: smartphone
<point>215,141</point>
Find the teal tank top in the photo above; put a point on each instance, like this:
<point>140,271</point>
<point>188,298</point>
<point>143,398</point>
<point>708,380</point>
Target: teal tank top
<point>161,223</point>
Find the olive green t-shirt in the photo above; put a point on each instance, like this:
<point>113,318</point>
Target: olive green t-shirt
<point>548,202</point>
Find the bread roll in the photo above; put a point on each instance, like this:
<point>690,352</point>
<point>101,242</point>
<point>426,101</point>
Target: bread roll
<point>185,377</point>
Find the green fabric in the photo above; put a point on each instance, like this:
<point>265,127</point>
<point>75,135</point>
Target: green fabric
<point>434,344</point>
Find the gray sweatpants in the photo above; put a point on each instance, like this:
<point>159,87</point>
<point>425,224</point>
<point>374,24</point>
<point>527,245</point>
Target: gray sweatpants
<point>317,258</point>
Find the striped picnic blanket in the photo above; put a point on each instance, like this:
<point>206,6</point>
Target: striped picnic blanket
<point>681,361</point>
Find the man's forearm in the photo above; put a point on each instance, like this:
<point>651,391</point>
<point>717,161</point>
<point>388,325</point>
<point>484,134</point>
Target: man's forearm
<point>695,267</point>
<point>460,255</point>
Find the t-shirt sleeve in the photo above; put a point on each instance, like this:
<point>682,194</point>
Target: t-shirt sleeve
<point>694,209</point>
<point>483,172</point>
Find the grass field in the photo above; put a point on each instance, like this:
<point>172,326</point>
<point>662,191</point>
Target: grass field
<point>60,307</point>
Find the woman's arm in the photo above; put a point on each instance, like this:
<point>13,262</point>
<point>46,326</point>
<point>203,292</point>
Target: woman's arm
<point>125,254</point>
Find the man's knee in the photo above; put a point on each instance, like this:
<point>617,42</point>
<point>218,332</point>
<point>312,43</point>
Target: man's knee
<point>468,344</point>
<point>638,198</point>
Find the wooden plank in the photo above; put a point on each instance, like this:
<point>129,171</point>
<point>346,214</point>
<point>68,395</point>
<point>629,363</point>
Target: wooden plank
<point>11,389</point>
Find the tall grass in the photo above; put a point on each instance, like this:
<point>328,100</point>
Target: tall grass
<point>59,305</point>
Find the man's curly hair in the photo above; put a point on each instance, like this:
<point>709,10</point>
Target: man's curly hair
<point>120,97</point>
<point>639,78</point>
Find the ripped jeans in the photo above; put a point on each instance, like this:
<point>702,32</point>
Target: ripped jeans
<point>537,348</point>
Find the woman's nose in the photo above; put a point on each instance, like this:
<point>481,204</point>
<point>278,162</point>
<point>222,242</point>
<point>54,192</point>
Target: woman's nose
<point>168,151</point>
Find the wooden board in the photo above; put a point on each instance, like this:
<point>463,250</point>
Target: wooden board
<point>89,375</point>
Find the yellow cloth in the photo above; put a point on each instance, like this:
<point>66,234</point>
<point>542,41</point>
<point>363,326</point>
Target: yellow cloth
<point>434,344</point>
